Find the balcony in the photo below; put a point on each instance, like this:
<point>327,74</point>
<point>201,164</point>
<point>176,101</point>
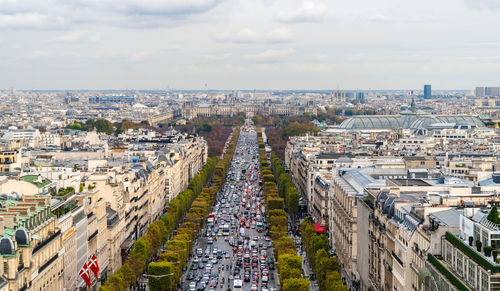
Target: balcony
<point>472,253</point>
<point>44,266</point>
<point>46,242</point>
<point>446,273</point>
<point>93,235</point>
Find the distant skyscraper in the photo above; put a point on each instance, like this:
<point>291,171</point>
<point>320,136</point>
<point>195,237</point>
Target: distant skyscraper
<point>427,92</point>
<point>487,91</point>
<point>360,96</point>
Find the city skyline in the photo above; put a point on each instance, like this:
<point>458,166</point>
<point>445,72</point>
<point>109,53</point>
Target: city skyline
<point>266,45</point>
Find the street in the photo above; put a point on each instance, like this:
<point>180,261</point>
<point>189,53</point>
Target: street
<point>233,251</point>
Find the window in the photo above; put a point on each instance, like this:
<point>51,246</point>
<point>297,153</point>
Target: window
<point>484,281</point>
<point>471,278</point>
<point>460,264</point>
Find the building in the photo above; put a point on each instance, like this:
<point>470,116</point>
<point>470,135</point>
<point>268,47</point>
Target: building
<point>427,92</point>
<point>487,92</point>
<point>31,248</point>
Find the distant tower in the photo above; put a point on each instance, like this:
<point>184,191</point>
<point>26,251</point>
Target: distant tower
<point>427,92</point>
<point>412,106</point>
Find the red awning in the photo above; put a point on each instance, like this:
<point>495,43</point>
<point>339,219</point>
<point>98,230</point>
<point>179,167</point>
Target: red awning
<point>319,228</point>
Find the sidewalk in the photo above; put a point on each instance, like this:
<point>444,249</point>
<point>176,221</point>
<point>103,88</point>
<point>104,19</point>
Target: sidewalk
<point>307,271</point>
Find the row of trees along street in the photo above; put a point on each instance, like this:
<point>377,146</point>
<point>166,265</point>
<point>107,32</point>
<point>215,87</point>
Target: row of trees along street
<point>184,218</point>
<point>289,264</point>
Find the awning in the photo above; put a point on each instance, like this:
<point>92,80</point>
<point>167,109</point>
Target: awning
<point>319,228</point>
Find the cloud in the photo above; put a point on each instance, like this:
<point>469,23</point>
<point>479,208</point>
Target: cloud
<point>482,4</point>
<point>162,7</point>
<point>247,35</point>
<point>79,37</point>
<point>123,13</point>
<point>23,20</point>
<point>271,54</point>
<point>217,57</point>
<point>308,12</point>
<point>381,18</point>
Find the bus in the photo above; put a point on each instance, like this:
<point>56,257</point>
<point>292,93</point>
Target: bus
<point>237,285</point>
<point>260,226</point>
<point>225,229</point>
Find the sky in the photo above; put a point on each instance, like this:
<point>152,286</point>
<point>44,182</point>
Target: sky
<point>249,44</point>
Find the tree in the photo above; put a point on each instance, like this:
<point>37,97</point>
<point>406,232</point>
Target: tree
<point>296,284</point>
<point>155,236</point>
<point>284,245</point>
<point>290,266</point>
<point>104,125</point>
<point>321,267</point>
<point>75,126</point>
<point>493,215</point>
<point>275,203</point>
<point>292,200</point>
<point>128,275</point>
<point>241,119</point>
<point>164,281</point>
<point>116,282</point>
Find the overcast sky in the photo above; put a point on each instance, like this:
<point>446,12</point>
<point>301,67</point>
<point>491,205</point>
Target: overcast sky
<point>249,44</point>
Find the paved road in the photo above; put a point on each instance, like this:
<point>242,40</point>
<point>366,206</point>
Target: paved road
<point>238,200</point>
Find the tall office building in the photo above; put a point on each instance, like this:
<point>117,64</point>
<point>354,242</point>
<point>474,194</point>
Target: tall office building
<point>487,91</point>
<point>427,92</point>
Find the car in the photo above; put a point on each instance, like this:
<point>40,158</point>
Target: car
<point>200,265</point>
<point>213,283</point>
<point>200,287</point>
<point>194,266</point>
<point>190,275</point>
<point>214,261</point>
<point>204,260</point>
<point>254,287</point>
<point>246,276</point>
<point>210,240</point>
<point>192,286</point>
<point>196,260</point>
<point>211,289</point>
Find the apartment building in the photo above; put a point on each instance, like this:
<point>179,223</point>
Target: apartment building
<point>31,248</point>
<point>117,199</point>
<point>459,264</point>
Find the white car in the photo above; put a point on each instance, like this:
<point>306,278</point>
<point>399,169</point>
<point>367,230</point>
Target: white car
<point>192,286</point>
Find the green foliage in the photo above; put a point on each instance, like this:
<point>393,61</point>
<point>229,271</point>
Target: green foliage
<point>292,200</point>
<point>128,275</point>
<point>493,215</point>
<point>284,245</point>
<point>289,266</point>
<point>296,284</point>
<point>296,129</point>
<point>443,270</point>
<point>100,125</point>
<point>163,269</point>
<point>275,203</point>
<point>116,282</point>
<point>75,126</point>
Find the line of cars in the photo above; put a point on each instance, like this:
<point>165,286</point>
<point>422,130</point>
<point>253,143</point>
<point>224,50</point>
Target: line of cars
<point>238,253</point>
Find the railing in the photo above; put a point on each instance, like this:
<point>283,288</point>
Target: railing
<point>93,235</point>
<point>475,256</point>
<point>446,273</point>
<point>45,242</point>
<point>44,266</point>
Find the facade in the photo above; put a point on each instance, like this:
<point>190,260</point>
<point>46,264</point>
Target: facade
<point>111,205</point>
<point>31,248</point>
<point>427,92</point>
